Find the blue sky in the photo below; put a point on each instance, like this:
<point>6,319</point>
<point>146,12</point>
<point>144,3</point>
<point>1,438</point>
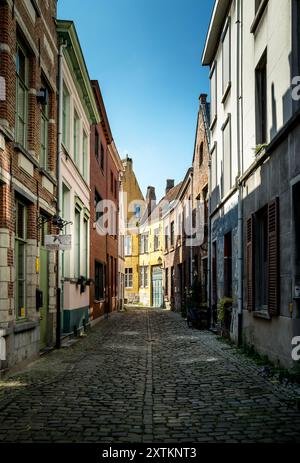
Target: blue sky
<point>146,55</point>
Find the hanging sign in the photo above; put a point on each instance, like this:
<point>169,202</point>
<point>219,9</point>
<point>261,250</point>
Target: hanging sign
<point>58,242</point>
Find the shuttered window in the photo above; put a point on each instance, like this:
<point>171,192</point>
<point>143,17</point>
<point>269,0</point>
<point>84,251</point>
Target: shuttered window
<point>273,248</point>
<point>262,260</point>
<point>250,286</point>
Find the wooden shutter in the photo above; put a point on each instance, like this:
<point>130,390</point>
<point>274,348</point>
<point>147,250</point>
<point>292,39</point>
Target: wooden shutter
<point>273,258</point>
<point>250,264</point>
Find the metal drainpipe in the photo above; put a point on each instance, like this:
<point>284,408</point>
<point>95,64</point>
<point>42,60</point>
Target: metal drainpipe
<point>209,244</point>
<point>240,169</point>
<point>59,194</point>
<point>191,247</point>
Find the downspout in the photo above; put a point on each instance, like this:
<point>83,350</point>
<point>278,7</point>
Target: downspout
<point>209,243</point>
<point>240,171</point>
<point>59,304</point>
<point>191,247</point>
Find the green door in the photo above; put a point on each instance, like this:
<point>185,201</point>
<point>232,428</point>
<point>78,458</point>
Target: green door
<point>44,288</point>
<point>157,287</point>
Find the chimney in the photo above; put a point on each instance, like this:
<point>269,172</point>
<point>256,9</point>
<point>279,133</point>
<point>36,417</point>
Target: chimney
<point>203,99</point>
<point>150,199</point>
<point>170,185</point>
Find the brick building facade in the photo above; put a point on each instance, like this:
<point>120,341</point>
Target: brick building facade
<point>28,127</point>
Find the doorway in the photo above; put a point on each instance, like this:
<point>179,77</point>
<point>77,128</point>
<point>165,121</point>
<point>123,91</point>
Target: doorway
<point>157,287</point>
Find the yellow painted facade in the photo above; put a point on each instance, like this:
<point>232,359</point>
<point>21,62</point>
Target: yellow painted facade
<point>134,203</point>
<point>151,260</point>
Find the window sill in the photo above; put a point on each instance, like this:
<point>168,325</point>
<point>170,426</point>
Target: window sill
<point>213,123</point>
<point>258,16</point>
<point>99,301</point>
<point>22,326</point>
<point>226,93</point>
<point>48,175</point>
<point>262,314</point>
<point>21,149</point>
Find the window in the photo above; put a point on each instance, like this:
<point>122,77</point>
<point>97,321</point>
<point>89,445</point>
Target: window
<point>261,100</point>
<point>137,210</point>
<point>85,247</point>
<point>22,87</point>
<point>116,188</point>
<point>167,282</point>
<point>144,277</point>
<point>144,241</point>
<point>172,281</point>
<point>172,238</point>
<point>261,259</point>
<point>76,137</point>
<point>166,238</point>
<point>44,134</point>
<point>97,144</point>
<point>228,265</point>
<point>85,155</point>
<point>213,92</point>
<point>97,200</point>
<point>156,239</point>
<point>111,182</point>
<point>65,116</point>
<point>226,59</point>
<point>20,258</point>
<point>128,245</point>
<point>214,169</point>
<point>99,281</point>
<point>201,154</point>
<point>128,278</point>
<point>77,244</point>
<point>227,174</point>
<point>102,157</point>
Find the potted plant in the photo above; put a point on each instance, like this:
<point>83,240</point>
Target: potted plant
<point>224,309</point>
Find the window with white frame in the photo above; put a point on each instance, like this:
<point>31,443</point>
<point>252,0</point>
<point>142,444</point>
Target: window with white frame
<point>227,174</point>
<point>144,277</point>
<point>144,242</point>
<point>85,236</point>
<point>213,92</point>
<point>226,39</point>
<point>77,243</point>
<point>128,245</point>
<point>22,88</point>
<point>85,156</point>
<point>128,278</point>
<point>65,117</point>
<point>76,138</point>
<point>44,162</point>
<point>156,239</point>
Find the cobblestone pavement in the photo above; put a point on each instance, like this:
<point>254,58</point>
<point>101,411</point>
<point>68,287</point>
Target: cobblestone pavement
<point>143,376</point>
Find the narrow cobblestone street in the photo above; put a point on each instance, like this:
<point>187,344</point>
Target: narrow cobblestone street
<point>143,376</point>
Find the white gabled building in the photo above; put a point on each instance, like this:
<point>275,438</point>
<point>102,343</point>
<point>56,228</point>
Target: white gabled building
<point>255,171</point>
<point>78,112</point>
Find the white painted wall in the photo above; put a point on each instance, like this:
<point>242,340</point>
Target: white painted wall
<point>78,187</point>
<point>273,33</point>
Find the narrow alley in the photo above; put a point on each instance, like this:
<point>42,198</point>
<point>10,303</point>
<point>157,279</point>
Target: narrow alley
<point>144,376</point>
